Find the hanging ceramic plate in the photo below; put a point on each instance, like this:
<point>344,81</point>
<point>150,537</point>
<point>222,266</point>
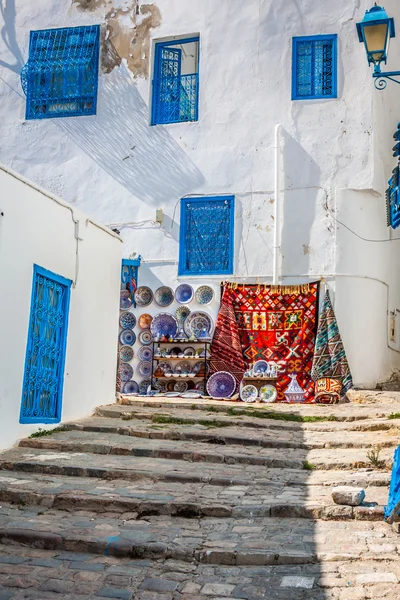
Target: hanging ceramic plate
<point>143,296</point>
<point>143,386</point>
<point>164,296</point>
<point>126,353</point>
<point>125,300</point>
<point>145,321</point>
<point>199,367</point>
<point>181,386</point>
<point>184,293</point>
<point>127,320</point>
<point>145,353</point>
<point>165,366</point>
<point>199,324</point>
<point>183,367</point>
<point>261,366</point>
<point>125,371</point>
<point>221,385</point>
<point>145,337</point>
<point>182,313</point>
<point>127,337</point>
<point>189,351</point>
<point>200,386</point>
<point>204,294</point>
<point>249,393</point>
<point>268,393</point>
<point>164,324</point>
<point>144,368</point>
<point>170,385</point>
<point>130,387</point>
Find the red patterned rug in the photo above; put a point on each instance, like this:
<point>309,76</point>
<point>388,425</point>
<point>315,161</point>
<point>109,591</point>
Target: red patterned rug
<point>273,323</point>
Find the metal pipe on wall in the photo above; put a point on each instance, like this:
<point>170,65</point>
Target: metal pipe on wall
<point>277,211</point>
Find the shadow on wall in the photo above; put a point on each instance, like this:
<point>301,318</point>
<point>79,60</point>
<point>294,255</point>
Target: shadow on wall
<point>146,160</point>
<point>301,189</point>
<point>9,37</point>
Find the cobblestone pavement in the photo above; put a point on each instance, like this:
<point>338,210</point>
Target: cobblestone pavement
<point>164,500</point>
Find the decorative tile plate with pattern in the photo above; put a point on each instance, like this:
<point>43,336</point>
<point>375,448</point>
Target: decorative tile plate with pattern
<point>182,313</point>
<point>204,294</point>
<point>170,385</point>
<point>125,371</point>
<point>127,320</point>
<point>165,366</point>
<point>127,337</point>
<point>143,386</point>
<point>199,324</point>
<point>144,368</point>
<point>249,393</point>
<point>126,353</point>
<point>145,353</point>
<point>145,337</point>
<point>180,386</point>
<point>143,296</point>
<point>164,296</point>
<point>184,293</point>
<point>125,300</point>
<point>164,324</point>
<point>268,393</point>
<point>145,321</point>
<point>200,386</point>
<point>183,367</point>
<point>130,387</point>
<point>221,385</point>
<point>261,366</point>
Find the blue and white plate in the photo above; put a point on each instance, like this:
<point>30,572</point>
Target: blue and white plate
<point>221,385</point>
<point>143,386</point>
<point>145,353</point>
<point>249,393</point>
<point>126,353</point>
<point>125,371</point>
<point>184,293</point>
<point>127,320</point>
<point>261,366</point>
<point>199,324</point>
<point>127,337</point>
<point>125,300</point>
<point>130,387</point>
<point>144,368</point>
<point>143,296</point>
<point>145,337</point>
<point>182,313</point>
<point>164,324</point>
<point>204,294</point>
<point>164,296</point>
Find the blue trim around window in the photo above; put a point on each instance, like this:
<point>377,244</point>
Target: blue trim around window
<point>318,72</point>
<point>228,243</point>
<point>175,97</point>
<point>66,285</point>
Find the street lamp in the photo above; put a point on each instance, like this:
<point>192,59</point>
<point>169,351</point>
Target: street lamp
<point>375,30</point>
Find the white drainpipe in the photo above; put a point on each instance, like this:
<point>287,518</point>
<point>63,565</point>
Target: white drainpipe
<point>277,212</point>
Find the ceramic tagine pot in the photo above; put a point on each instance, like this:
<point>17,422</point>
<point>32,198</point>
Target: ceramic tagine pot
<point>294,393</point>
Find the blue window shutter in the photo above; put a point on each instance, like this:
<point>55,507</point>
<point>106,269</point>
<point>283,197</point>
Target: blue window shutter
<point>60,78</point>
<point>393,201</point>
<point>207,236</point>
<point>175,95</point>
<point>314,67</point>
<point>46,348</point>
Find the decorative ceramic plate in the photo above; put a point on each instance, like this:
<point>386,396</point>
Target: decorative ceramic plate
<point>164,324</point>
<point>145,353</point>
<point>143,386</point>
<point>145,337</point>
<point>165,366</point>
<point>204,294</point>
<point>144,368</point>
<point>125,300</point>
<point>170,385</point>
<point>125,371</point>
<point>189,351</point>
<point>192,395</point>
<point>199,324</point>
<point>126,353</point>
<point>261,366</point>
<point>127,337</point>
<point>130,387</point>
<point>176,351</point>
<point>127,320</point>
<point>145,321</point>
<point>181,386</point>
<point>143,296</point>
<point>184,293</point>
<point>198,367</point>
<point>164,296</point>
<point>160,386</point>
<point>249,393</point>
<point>182,313</point>
<point>221,385</point>
<point>268,393</point>
<point>200,386</point>
<point>172,394</point>
<point>183,367</point>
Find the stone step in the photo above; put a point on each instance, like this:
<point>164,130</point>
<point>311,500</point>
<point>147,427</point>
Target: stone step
<point>114,444</point>
<point>51,574</point>
<point>228,541</point>
<point>193,501</point>
<point>267,438</point>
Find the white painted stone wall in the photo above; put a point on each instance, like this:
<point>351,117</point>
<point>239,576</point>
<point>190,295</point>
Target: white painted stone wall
<point>336,152</point>
<point>36,228</point>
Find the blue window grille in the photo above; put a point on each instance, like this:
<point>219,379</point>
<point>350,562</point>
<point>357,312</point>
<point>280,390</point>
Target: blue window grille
<point>314,67</point>
<point>393,200</point>
<point>46,346</point>
<point>61,76</point>
<point>176,91</point>
<point>207,236</point>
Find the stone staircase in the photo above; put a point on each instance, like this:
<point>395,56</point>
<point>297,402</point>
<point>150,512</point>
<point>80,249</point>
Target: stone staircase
<point>164,500</point>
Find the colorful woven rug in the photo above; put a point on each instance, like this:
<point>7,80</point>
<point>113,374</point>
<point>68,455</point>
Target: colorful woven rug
<point>273,323</point>
<point>329,356</point>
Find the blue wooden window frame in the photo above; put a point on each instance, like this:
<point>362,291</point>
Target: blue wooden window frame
<point>60,78</point>
<point>66,284</point>
<point>312,40</point>
<point>183,246</point>
<point>161,113</point>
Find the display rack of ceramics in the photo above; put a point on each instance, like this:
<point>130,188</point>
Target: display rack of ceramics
<point>125,300</point>
<point>145,337</point>
<point>268,393</point>
<point>294,393</point>
<point>204,294</point>
<point>199,325</point>
<point>221,385</point>
<point>127,337</point>
<point>130,387</point>
<point>145,321</point>
<point>184,293</point>
<point>126,353</point>
<point>249,393</point>
<point>127,320</point>
<point>143,296</point>
<point>164,296</point>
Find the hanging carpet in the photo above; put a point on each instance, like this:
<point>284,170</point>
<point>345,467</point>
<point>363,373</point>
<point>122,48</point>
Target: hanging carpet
<point>330,357</point>
<point>273,323</point>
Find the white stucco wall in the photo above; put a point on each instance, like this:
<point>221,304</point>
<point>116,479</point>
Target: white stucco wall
<point>37,229</point>
<point>120,170</point>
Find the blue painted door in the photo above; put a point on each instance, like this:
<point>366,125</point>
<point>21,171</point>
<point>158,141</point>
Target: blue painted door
<point>46,347</point>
